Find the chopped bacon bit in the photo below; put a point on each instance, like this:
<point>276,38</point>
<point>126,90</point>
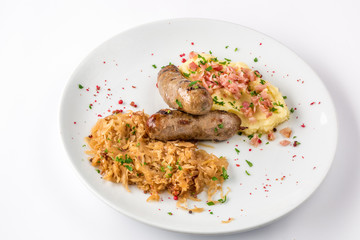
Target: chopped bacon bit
<point>303,125</point>
<point>286,132</point>
<point>121,101</point>
<point>193,66</point>
<point>133,104</point>
<point>192,55</point>
<point>285,143</point>
<point>271,136</point>
<point>97,87</point>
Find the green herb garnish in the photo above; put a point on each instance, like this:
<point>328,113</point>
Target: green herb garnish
<point>154,66</point>
<point>222,200</point>
<point>249,163</point>
<point>186,74</point>
<point>214,178</point>
<point>292,110</point>
<point>209,68</point>
<point>237,151</point>
<point>216,101</point>
<point>236,49</point>
<point>226,47</point>
<point>262,81</point>
<point>273,109</point>
<point>193,83</point>
<point>221,125</point>
<point>224,174</point>
<point>284,97</point>
<point>81,86</point>
<point>255,59</point>
<point>210,203</point>
<point>178,103</point>
<point>247,172</point>
<point>128,167</point>
<point>251,136</point>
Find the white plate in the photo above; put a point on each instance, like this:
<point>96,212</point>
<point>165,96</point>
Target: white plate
<point>126,60</point>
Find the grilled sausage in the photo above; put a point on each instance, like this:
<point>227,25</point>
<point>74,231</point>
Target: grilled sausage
<point>169,124</point>
<point>178,93</point>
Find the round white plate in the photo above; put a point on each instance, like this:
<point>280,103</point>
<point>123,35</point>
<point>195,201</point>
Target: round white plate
<point>281,177</point>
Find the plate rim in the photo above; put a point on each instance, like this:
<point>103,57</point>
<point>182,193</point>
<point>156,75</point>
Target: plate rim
<point>138,218</point>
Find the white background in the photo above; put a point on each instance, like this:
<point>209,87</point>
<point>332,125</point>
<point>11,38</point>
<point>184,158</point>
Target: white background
<point>42,42</point>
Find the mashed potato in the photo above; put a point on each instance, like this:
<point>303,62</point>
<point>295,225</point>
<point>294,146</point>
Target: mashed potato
<point>235,88</point>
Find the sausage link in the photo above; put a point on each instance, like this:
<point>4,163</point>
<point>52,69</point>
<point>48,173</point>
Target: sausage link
<point>176,92</point>
<point>169,124</point>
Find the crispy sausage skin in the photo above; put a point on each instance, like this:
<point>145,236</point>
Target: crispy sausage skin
<point>176,92</point>
<point>169,124</point>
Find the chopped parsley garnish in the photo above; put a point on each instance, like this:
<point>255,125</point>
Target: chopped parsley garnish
<point>127,125</point>
<point>169,175</point>
<point>84,145</point>
<point>224,174</point>
<point>247,172</point>
<point>216,101</point>
<point>179,167</point>
<point>226,47</point>
<point>267,143</point>
<point>222,200</point>
<point>203,61</point>
<point>257,73</point>
<point>211,213</point>
<point>237,150</point>
<point>236,49</point>
<point>292,110</point>
<point>251,105</point>
<point>260,135</point>
<point>251,136</point>
<point>170,167</point>
<point>262,81</point>
<point>214,178</point>
<point>138,144</point>
<point>222,63</point>
<point>209,68</point>
<point>221,125</point>
<point>284,97</point>
<point>278,104</point>
<point>170,213</point>
<point>294,137</point>
<point>186,74</point>
<point>296,143</point>
<point>210,203</point>
<point>229,60</point>
<point>210,52</point>
<point>273,109</point>
<point>216,129</point>
<point>154,66</point>
<point>81,86</point>
<point>239,133</point>
<point>193,83</point>
<point>128,167</point>
<point>249,163</point>
<point>255,59</point>
<point>90,106</point>
<point>162,169</point>
<point>253,93</point>
<point>106,151</point>
<point>122,160</point>
<point>178,103</point>
<point>98,170</point>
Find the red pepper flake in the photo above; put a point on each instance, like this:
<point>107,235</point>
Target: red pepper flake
<point>74,122</point>
<point>97,87</point>
<point>314,168</point>
<point>133,86</point>
<point>259,141</point>
<point>249,149</point>
<point>192,43</point>
<point>260,44</point>
<point>87,89</point>
<point>117,111</point>
<point>283,178</point>
<point>121,101</point>
<point>175,197</point>
<point>312,103</point>
<point>238,165</point>
<point>133,104</point>
<point>152,54</point>
<point>294,156</point>
<point>157,85</point>
<point>104,62</point>
<point>109,89</point>
<point>183,60</point>
<point>319,102</point>
<point>99,115</point>
<point>303,125</point>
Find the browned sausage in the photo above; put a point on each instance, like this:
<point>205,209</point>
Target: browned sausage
<point>178,93</point>
<point>169,124</point>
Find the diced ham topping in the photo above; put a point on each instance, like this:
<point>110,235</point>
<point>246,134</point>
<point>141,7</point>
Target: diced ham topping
<point>255,141</point>
<point>285,143</point>
<point>192,55</point>
<point>271,136</point>
<point>286,132</point>
<point>193,66</point>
